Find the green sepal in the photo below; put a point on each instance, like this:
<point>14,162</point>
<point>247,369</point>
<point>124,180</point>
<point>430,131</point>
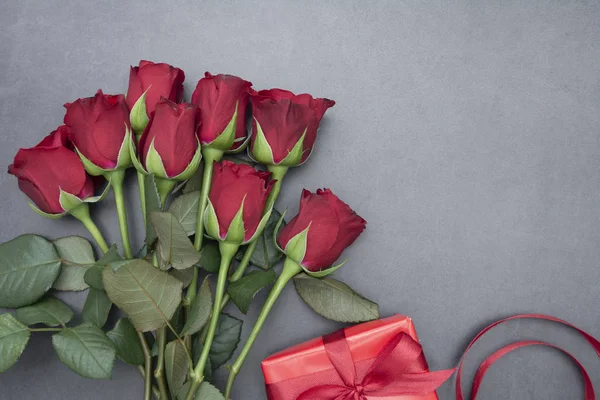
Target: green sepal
<point>236,230</point>
<point>105,192</point>
<point>261,226</point>
<point>190,170</point>
<point>89,166</point>
<point>325,272</point>
<point>45,214</point>
<point>211,222</point>
<point>68,201</point>
<point>154,163</point>
<point>294,157</point>
<point>138,117</point>
<point>276,230</point>
<point>137,164</point>
<point>261,151</point>
<point>224,141</point>
<point>164,187</point>
<point>124,158</point>
<point>295,248</point>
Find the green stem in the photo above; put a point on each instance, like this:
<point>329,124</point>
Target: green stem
<point>159,373</point>
<point>45,329</point>
<point>155,391</point>
<point>142,187</point>
<point>147,367</point>
<point>117,178</point>
<point>210,156</point>
<point>228,251</point>
<point>278,173</point>
<point>290,269</point>
<point>82,213</point>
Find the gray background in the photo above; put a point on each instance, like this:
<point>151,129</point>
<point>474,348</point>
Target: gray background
<point>465,132</point>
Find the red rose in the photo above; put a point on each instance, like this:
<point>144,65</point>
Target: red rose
<point>170,135</point>
<point>235,186</point>
<point>97,127</point>
<point>323,228</point>
<point>221,98</point>
<point>284,126</point>
<point>48,167</point>
<point>160,80</point>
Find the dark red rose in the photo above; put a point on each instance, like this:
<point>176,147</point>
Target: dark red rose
<point>218,97</point>
<point>97,127</point>
<point>285,119</point>
<point>232,185</point>
<point>172,128</point>
<point>48,167</point>
<point>332,226</point>
<point>161,80</point>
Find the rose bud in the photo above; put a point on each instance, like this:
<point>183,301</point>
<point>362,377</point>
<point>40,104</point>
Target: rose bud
<point>318,235</point>
<point>148,82</point>
<point>99,129</point>
<point>236,202</point>
<point>52,176</point>
<point>223,101</point>
<point>284,126</point>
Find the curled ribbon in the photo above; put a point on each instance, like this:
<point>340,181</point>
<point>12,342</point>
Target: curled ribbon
<point>399,369</point>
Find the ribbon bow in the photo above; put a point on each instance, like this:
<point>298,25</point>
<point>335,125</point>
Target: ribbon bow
<point>399,369</point>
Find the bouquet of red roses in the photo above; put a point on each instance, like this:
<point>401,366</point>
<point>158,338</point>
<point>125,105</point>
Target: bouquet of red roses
<point>205,211</point>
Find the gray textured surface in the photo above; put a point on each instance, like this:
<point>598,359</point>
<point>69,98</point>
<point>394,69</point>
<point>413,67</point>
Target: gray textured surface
<point>466,133</point>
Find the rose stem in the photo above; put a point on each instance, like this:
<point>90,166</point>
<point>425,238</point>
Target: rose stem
<point>142,187</point>
<point>228,251</point>
<point>290,269</point>
<point>117,178</point>
<point>278,172</point>
<point>161,339</point>
<point>210,156</point>
<point>82,213</point>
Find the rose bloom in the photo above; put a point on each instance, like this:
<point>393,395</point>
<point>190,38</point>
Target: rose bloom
<point>219,96</point>
<point>172,129</point>
<point>284,119</point>
<point>234,184</point>
<point>48,167</point>
<point>97,127</point>
<point>332,226</point>
<point>159,80</point>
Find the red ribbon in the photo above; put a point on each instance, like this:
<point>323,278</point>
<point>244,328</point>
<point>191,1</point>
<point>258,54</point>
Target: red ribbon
<point>487,363</point>
<point>401,369</point>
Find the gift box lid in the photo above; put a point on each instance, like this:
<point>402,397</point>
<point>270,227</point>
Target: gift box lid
<point>365,342</point>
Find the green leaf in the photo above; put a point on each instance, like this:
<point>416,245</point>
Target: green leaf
<point>205,392</point>
<point>199,311</point>
<point>97,307</point>
<point>266,253</point>
<point>183,275</point>
<point>152,205</point>
<point>77,257</point>
<point>29,265</point>
<point>13,339</point>
<point>49,311</point>
<point>126,342</point>
<point>177,322</point>
<point>148,295</point>
<point>185,210</point>
<point>227,337</point>
<point>210,258</point>
<point>86,350</point>
<point>243,290</point>
<point>93,275</point>
<point>335,300</point>
<point>195,182</point>
<point>174,246</point>
<point>176,366</point>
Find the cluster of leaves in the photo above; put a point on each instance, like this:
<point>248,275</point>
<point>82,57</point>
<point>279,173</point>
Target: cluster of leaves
<point>32,267</point>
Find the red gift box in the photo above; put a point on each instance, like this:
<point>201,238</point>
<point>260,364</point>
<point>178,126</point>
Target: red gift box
<point>376,360</point>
